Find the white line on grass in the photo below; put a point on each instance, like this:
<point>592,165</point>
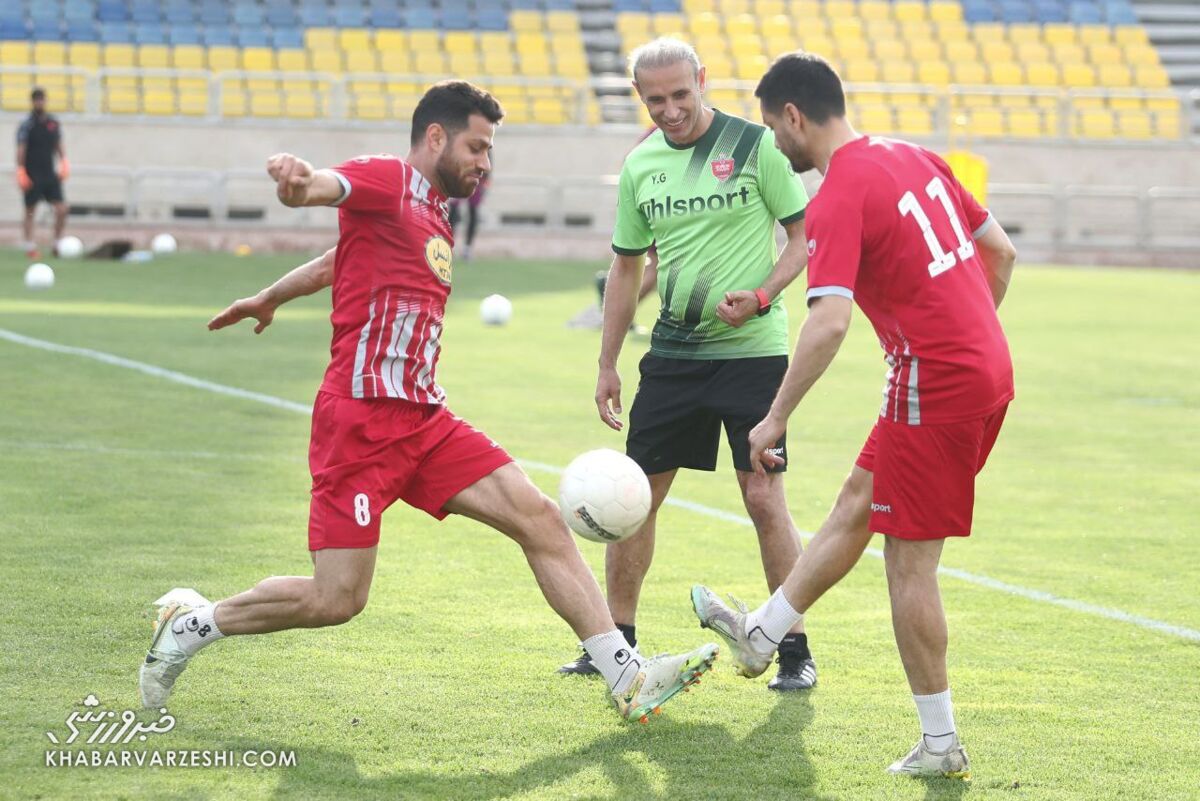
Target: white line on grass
<point>719,514</point>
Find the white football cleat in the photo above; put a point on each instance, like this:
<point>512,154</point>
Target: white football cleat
<point>165,661</point>
<point>715,614</point>
<point>921,761</point>
<point>661,679</point>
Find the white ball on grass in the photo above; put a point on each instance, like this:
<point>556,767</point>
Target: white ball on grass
<point>495,310</point>
<point>70,247</point>
<point>39,276</point>
<point>163,243</point>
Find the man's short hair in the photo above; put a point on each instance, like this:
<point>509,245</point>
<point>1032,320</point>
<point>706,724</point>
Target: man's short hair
<point>450,104</point>
<point>807,82</point>
<point>663,52</point>
<point>38,94</point>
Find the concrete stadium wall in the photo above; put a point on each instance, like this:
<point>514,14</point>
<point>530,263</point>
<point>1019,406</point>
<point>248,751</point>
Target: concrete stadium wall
<point>528,156</point>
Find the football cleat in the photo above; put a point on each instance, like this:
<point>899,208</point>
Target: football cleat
<point>795,673</point>
<point>714,614</point>
<point>661,679</point>
<point>921,761</point>
<point>583,666</point>
<point>165,660</point>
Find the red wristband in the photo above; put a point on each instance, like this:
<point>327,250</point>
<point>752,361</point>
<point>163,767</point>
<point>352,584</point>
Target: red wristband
<point>763,300</point>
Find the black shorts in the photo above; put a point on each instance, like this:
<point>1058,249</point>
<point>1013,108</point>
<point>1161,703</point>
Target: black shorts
<point>681,405</point>
<point>47,189</point>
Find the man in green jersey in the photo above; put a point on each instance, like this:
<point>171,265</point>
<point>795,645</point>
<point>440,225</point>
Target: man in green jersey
<point>707,189</point>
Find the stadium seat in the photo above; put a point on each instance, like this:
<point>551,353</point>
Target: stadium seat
<point>83,54</point>
<point>1135,124</point>
<point>1025,123</point>
<point>222,57</point>
<point>1041,73</point>
<point>154,56</point>
<point>1095,123</point>
<point>118,55</point>
<point>914,121</point>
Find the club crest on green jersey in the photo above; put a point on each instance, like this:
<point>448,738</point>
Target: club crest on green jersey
<point>722,167</point>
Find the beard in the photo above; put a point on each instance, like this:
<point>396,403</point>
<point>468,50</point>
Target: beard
<point>457,184</point>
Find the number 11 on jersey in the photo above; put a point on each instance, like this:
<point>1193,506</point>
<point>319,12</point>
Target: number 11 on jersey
<point>942,261</point>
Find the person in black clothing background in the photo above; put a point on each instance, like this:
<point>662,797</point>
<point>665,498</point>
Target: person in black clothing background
<point>39,140</point>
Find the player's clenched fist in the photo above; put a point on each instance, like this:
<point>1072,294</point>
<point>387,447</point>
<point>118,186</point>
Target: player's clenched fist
<point>292,176</point>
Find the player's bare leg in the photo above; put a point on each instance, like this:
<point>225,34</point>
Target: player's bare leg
<point>626,564</point>
<point>919,623</point>
<point>27,231</point>
<point>779,546</point>
<point>509,502</point>
<point>832,552</point>
<point>60,220</point>
<point>335,593</point>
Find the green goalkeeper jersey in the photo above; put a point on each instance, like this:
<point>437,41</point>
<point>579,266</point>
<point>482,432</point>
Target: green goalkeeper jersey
<point>710,209</point>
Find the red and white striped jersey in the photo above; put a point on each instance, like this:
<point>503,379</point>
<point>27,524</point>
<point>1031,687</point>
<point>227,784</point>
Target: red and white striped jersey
<point>891,228</point>
<point>391,279</point>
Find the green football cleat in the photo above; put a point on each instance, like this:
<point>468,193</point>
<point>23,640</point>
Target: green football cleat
<point>921,761</point>
<point>661,679</point>
<point>714,614</point>
<point>165,661</point>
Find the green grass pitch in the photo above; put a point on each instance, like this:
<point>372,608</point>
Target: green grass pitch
<point>118,486</point>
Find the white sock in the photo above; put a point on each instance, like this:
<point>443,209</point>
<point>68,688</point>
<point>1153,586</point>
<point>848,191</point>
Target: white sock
<point>616,659</point>
<point>196,629</point>
<point>937,720</point>
<point>771,622</point>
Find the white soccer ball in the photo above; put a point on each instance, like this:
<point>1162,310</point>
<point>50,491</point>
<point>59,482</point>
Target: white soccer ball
<point>495,310</point>
<point>604,496</point>
<point>39,276</point>
<point>70,247</point>
<point>164,243</point>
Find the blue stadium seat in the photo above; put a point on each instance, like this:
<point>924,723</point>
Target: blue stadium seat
<point>178,16</point>
<point>282,17</point>
<point>629,5</point>
<point>1120,13</point>
<point>79,12</point>
<point>249,15</point>
<point>82,31</point>
<point>254,36</point>
<point>1085,14</point>
<point>116,33</point>
<point>350,16</point>
<point>218,35</point>
<point>150,33</point>
<point>109,12</point>
<point>665,6</point>
<point>13,29</point>
<point>184,35</point>
<point>47,30</point>
<point>316,16</point>
<point>214,15</point>
<point>491,20</point>
<point>1015,11</point>
<point>45,13</point>
<point>423,18</point>
<point>979,12</point>
<point>288,38</point>
<point>1049,11</point>
<point>386,18</point>
<point>457,19</point>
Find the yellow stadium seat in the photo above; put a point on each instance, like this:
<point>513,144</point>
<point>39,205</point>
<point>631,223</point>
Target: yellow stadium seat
<point>986,122</point>
<point>1154,77</point>
<point>264,104</point>
<point>1095,123</point>
<point>1059,33</point>
<point>746,46</point>
<point>1006,73</point>
<point>222,58</point>
<point>320,39</point>
<point>1166,124</point>
<point>158,103</point>
<point>1011,101</point>
<point>549,111</point>
<point>193,104</point>
<point>16,53</point>
<point>918,31</point>
<point>1024,32</point>
<point>711,45</point>
<point>704,24</point>
<point>465,64</point>
<point>154,56</point>
<point>233,103</point>
<point>258,59</point>
<point>387,40</point>
<point>875,119</point>
<point>1130,35</point>
<point>424,41</point>
<point>1137,55</point>
<point>460,42</point>
<point>398,62</point>
<point>989,32</point>
<point>945,11</point>
<point>875,10</point>
<point>292,60</point>
<point>853,49</point>
<point>49,54</point>
<point>897,71</point>
<point>844,28</point>
<point>924,51</point>
<point>1025,123</point>
<point>741,25</point>
<point>969,73</point>
<point>1078,76</point>
<point>534,66</point>
<point>876,29</point>
<point>1114,76</point>
<point>321,60</point>
<point>369,106</point>
<point>1104,53</point>
<point>962,52</point>
<point>840,9</point>
<point>562,21</point>
<point>806,9</point>
<point>732,8</point>
<point>490,41</point>
<point>909,10</point>
<point>997,52</point>
<point>889,49</point>
<point>526,21</point>
<point>303,105</point>
<point>1135,124</point>
<point>351,40</point>
<point>933,72</point>
<point>14,94</point>
<point>862,70</point>
<point>188,57</point>
<point>118,55</point>
<point>770,8</point>
<point>80,54</point>
<point>818,43</point>
<point>429,63</point>
<point>122,101</point>
<point>576,67</point>
<point>632,22</point>
<point>1094,34</point>
<point>362,61</point>
<point>914,121</point>
<point>1028,52</point>
<point>1041,73</point>
<point>693,7</point>
<point>1126,102</point>
<point>1069,54</point>
<point>951,31</point>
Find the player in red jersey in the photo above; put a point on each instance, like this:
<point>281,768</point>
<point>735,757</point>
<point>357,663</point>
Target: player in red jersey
<point>381,431</point>
<point>892,229</point>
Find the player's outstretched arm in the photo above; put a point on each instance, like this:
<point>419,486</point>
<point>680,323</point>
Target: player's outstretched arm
<point>306,279</point>
<point>298,184</point>
<point>620,304</point>
<point>738,307</point>
<point>820,338</point>
<point>998,255</point>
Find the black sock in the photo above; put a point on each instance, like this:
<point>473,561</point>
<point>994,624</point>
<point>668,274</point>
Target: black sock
<point>630,633</point>
<point>795,644</point>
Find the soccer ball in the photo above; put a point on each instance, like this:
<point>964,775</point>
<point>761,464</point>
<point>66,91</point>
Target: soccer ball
<point>39,276</point>
<point>495,310</point>
<point>163,243</point>
<point>604,496</point>
<point>70,247</point>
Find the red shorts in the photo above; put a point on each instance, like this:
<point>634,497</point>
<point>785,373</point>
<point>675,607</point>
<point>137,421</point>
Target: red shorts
<point>924,476</point>
<point>367,453</point>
